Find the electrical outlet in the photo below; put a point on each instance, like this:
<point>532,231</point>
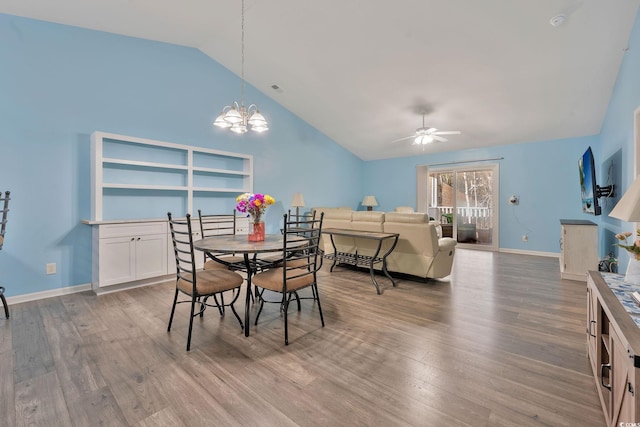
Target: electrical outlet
<point>51,268</point>
<point>525,238</point>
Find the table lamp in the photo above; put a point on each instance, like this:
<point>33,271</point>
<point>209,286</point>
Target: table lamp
<point>297,202</point>
<point>369,202</point>
<point>628,209</point>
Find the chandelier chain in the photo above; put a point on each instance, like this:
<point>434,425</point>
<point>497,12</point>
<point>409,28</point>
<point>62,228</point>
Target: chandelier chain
<point>242,56</point>
<point>239,118</point>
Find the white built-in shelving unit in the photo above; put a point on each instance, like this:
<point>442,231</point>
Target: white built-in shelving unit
<point>159,174</point>
<point>134,183</point>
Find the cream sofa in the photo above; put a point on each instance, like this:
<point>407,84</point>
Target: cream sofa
<point>419,251</point>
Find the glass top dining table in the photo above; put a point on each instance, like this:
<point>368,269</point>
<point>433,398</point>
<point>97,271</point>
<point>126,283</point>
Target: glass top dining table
<point>240,244</point>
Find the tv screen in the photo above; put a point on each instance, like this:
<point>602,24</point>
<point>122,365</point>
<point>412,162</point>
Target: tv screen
<point>588,186</point>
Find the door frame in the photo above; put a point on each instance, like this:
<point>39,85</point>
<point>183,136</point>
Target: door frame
<point>424,190</point>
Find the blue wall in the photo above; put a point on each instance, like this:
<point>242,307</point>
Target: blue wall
<point>617,138</point>
<point>58,84</point>
<point>544,175</point>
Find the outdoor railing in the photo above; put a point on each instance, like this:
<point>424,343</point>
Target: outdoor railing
<point>481,217</point>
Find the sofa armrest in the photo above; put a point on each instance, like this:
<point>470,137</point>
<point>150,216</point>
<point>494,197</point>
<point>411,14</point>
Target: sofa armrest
<point>446,243</point>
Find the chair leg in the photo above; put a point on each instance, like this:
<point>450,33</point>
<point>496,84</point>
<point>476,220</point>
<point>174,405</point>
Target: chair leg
<point>193,307</point>
<point>298,301</point>
<point>203,305</point>
<point>259,311</point>
<point>286,322</point>
<point>315,286</point>
<point>4,302</point>
<point>221,304</point>
<point>235,313</point>
<point>173,309</point>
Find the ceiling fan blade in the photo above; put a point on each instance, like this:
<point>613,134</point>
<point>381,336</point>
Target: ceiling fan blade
<point>446,132</point>
<point>439,138</point>
<point>402,139</point>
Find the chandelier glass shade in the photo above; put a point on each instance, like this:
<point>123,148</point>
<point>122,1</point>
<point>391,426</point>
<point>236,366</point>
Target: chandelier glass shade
<point>236,117</point>
<point>239,119</point>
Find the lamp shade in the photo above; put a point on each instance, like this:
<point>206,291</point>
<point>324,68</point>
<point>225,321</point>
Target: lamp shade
<point>297,201</point>
<point>628,208</point>
<point>369,201</point>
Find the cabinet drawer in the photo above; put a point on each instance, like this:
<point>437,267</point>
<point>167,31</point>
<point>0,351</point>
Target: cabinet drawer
<point>132,229</point>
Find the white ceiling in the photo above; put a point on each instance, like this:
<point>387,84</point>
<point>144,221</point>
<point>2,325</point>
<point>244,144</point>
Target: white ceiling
<point>361,71</point>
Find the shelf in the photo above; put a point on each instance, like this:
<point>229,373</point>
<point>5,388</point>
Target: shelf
<point>220,171</point>
<point>135,177</point>
<point>218,190</point>
<point>147,187</point>
<point>144,164</point>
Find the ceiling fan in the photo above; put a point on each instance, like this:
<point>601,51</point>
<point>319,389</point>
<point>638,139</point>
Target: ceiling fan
<point>425,135</point>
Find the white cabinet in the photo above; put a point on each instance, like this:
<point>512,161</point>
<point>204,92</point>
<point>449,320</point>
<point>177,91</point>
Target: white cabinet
<point>613,347</point>
<point>128,252</point>
<point>133,179</point>
<point>578,249</point>
<point>242,225</point>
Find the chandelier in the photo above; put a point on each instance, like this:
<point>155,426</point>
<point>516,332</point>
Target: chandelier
<point>236,117</point>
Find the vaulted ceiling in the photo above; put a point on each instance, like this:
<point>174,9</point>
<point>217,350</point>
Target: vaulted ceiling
<point>363,71</point>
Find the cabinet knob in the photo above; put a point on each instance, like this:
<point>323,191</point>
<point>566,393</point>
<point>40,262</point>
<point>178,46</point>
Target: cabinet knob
<point>133,238</point>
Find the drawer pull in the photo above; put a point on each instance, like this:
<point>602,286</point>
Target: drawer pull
<point>592,322</point>
<point>602,368</point>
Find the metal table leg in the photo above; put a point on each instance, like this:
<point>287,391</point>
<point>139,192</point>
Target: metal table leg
<point>247,324</point>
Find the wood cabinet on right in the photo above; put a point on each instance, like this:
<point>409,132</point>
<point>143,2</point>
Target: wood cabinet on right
<point>613,347</point>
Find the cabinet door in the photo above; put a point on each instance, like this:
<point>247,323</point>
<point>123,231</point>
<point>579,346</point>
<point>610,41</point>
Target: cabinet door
<point>242,225</point>
<point>623,404</point>
<point>151,256</point>
<point>116,264</point>
<point>593,323</point>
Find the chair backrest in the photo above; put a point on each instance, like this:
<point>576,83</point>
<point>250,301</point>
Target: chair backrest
<point>300,263</point>
<point>4,202</point>
<point>300,218</point>
<point>217,225</point>
<point>182,239</point>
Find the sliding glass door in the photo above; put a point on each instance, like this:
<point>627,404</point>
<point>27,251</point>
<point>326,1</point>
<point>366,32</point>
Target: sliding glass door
<point>465,201</point>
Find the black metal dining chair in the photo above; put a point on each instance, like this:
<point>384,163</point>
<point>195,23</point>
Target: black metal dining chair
<point>4,201</point>
<point>198,285</point>
<point>298,269</point>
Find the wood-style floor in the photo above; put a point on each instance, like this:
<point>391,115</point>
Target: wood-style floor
<point>500,344</point>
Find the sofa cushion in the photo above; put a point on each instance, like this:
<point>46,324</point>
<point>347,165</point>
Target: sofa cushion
<point>334,213</point>
<point>407,217</point>
<point>404,209</point>
<point>368,216</point>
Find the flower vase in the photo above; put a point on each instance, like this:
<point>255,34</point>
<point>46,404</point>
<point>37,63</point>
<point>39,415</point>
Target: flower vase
<point>633,272</point>
<point>256,231</point>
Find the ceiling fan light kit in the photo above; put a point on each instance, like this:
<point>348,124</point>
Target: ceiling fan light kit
<point>423,140</point>
<point>425,135</point>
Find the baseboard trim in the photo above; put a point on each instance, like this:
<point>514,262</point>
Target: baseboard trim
<point>535,253</point>
<point>48,294</point>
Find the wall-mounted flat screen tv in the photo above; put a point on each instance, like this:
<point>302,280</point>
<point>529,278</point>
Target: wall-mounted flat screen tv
<point>588,187</point>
